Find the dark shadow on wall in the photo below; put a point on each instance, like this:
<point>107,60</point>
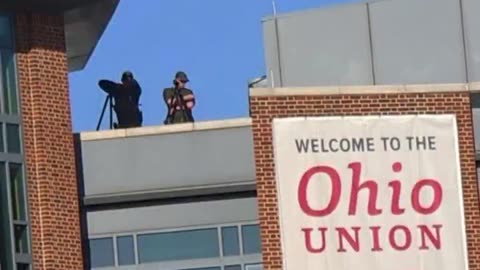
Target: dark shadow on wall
<point>176,200</point>
<point>81,195</point>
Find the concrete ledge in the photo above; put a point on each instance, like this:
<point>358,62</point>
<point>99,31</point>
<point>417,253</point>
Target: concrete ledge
<point>365,89</point>
<point>165,129</point>
<point>169,193</point>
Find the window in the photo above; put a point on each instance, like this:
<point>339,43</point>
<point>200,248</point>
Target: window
<point>254,267</point>
<point>15,251</point>
<point>251,239</point>
<point>2,147</point>
<point>205,268</point>
<point>6,252</point>
<point>182,245</point>
<point>13,138</point>
<point>21,238</point>
<point>125,250</point>
<point>230,241</point>
<point>9,84</point>
<point>198,248</point>
<point>5,32</point>
<point>233,267</point>
<point>17,195</point>
<point>22,266</point>
<point>101,252</point>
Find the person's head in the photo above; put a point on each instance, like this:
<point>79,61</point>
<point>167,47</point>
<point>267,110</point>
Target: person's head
<point>181,79</point>
<point>127,76</point>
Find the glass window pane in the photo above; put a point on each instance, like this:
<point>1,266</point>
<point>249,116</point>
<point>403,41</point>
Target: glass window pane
<point>22,266</point>
<point>254,267</point>
<point>233,267</point>
<point>251,239</point>
<point>101,252</point>
<point>5,32</point>
<point>17,192</point>
<point>13,138</point>
<point>205,268</point>
<point>178,245</point>
<point>230,241</point>
<point>125,250</point>
<point>6,261</point>
<point>2,148</point>
<point>21,239</point>
<point>9,82</point>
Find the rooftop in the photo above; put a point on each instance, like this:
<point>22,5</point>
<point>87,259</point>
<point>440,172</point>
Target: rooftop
<point>163,162</point>
<point>165,129</point>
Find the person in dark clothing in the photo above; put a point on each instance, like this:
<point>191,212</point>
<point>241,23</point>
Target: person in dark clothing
<point>126,102</point>
<point>179,100</point>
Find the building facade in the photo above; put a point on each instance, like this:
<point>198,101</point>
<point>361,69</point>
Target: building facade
<point>15,221</point>
<point>358,101</point>
<point>39,203</point>
<point>200,196</point>
<point>171,197</point>
<point>371,43</point>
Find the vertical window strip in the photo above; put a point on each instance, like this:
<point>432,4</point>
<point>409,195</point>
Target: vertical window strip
<point>14,224</point>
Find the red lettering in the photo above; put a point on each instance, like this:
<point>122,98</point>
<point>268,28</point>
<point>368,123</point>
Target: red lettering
<point>370,185</point>
<point>393,240</point>
<point>437,196</point>
<point>343,234</point>
<point>376,239</point>
<point>334,196</point>
<point>425,231</point>
<point>396,189</point>
<point>308,240</point>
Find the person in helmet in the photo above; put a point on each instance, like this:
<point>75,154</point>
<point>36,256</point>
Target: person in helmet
<point>179,100</point>
<point>126,99</point>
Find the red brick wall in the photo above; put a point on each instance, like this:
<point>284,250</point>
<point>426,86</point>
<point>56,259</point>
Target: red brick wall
<point>263,109</point>
<point>48,141</point>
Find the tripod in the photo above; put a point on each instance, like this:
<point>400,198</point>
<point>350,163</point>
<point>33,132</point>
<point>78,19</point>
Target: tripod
<point>108,101</point>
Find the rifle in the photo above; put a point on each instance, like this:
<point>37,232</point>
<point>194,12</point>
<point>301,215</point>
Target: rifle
<point>187,114</point>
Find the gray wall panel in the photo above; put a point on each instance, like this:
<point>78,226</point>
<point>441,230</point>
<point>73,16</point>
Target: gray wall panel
<point>412,42</point>
<point>325,47</point>
<point>168,161</point>
<point>417,41</point>
<point>171,216</point>
<point>271,53</point>
<point>476,127</point>
<point>471,9</point>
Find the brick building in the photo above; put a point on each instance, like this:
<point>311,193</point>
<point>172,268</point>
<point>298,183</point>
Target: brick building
<point>40,42</point>
<point>268,104</point>
<point>100,202</point>
<point>422,65</point>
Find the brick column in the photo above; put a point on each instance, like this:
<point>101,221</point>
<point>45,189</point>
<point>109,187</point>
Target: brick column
<point>48,142</point>
<point>266,104</point>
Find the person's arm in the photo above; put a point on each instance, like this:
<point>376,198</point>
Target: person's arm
<point>189,99</point>
<point>167,97</point>
<point>137,94</point>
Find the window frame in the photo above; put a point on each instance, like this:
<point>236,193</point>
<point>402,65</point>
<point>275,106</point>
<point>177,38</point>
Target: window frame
<point>17,158</point>
<point>241,259</point>
<point>209,231</point>
<point>113,239</point>
<point>117,251</point>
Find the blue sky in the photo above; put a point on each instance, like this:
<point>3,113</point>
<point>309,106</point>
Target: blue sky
<point>218,43</point>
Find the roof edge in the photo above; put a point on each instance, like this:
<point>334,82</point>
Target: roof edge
<point>165,129</point>
<point>365,89</point>
<point>316,9</point>
<point>81,43</point>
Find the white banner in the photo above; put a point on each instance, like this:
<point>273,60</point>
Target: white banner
<point>370,193</point>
